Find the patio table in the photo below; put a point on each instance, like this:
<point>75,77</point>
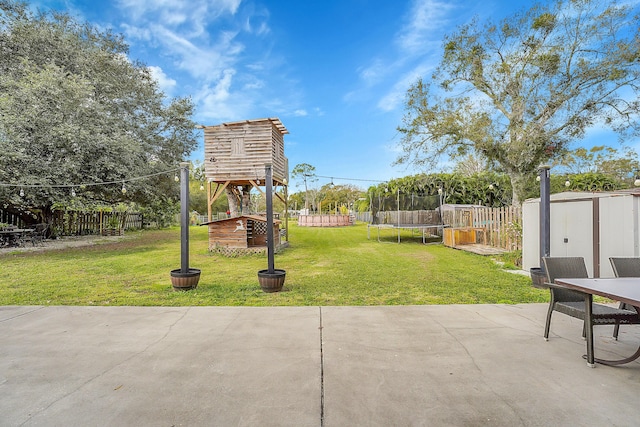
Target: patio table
<point>14,236</point>
<point>624,289</point>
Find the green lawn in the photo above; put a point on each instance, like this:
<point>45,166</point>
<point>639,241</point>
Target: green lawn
<point>324,266</point>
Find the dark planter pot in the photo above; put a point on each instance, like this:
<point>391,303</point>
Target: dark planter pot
<point>538,278</point>
<point>271,282</point>
<point>185,281</point>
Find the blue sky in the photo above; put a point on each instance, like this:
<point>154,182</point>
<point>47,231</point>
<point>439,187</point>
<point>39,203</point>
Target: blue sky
<point>335,71</point>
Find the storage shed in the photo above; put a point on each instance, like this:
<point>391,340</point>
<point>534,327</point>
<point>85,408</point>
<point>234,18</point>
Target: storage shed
<point>241,234</point>
<point>594,226</point>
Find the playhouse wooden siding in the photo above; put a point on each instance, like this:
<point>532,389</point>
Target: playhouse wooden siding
<point>246,231</point>
<point>238,151</point>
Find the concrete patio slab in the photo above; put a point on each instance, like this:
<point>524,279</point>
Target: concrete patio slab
<point>469,365</point>
<point>456,365</point>
<point>136,366</point>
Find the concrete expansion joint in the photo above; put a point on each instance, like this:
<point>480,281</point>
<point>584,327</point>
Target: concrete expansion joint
<point>320,328</point>
<point>22,314</point>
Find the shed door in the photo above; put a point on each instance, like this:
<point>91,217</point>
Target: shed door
<point>618,230</point>
<point>572,230</point>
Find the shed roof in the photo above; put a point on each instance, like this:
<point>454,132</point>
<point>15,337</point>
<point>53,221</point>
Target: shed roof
<point>235,218</point>
<point>274,121</point>
<point>576,195</point>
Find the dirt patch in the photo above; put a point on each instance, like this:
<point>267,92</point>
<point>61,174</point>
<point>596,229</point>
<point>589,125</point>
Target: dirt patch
<point>63,243</point>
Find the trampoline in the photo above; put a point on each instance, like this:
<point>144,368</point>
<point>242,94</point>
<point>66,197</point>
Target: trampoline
<point>430,230</point>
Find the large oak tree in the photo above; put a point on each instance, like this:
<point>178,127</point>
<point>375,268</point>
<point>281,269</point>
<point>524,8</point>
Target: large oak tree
<point>519,91</point>
<point>75,109</point>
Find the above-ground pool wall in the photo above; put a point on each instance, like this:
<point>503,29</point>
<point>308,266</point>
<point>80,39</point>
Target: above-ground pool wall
<point>325,220</point>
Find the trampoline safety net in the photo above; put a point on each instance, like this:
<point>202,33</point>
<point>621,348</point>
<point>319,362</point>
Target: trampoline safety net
<point>405,209</point>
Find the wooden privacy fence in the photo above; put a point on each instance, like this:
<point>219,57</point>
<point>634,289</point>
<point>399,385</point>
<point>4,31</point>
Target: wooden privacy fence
<point>11,218</point>
<point>497,227</point>
<point>70,223</point>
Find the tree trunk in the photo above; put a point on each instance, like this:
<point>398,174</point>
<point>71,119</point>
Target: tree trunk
<point>518,186</point>
<point>234,205</point>
<point>246,201</point>
<point>239,200</point>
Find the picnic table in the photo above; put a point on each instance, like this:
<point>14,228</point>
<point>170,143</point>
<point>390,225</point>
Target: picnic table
<point>14,236</point>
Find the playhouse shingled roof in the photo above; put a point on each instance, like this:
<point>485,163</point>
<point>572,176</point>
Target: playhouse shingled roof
<point>235,218</point>
<point>274,120</point>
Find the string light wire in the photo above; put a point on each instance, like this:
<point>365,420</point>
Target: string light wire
<point>89,184</point>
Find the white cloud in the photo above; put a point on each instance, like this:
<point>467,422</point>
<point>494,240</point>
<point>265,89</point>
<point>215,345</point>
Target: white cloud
<point>201,62</point>
<point>211,40</point>
<point>254,84</point>
<point>427,19</point>
<point>373,73</point>
<point>136,32</point>
<point>395,97</point>
<point>166,83</point>
<point>416,44</point>
<point>220,92</point>
<point>173,12</point>
<point>219,103</point>
<point>183,31</point>
<point>256,22</point>
<point>257,66</point>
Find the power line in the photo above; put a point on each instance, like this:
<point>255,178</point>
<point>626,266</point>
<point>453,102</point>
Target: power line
<point>348,179</point>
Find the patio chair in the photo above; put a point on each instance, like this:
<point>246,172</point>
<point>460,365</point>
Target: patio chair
<point>37,235</point>
<point>624,267</point>
<point>572,303</point>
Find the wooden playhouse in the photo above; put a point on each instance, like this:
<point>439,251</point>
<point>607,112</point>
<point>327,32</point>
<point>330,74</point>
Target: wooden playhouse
<point>235,156</point>
<point>240,235</point>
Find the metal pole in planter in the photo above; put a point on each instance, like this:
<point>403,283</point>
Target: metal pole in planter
<point>271,280</point>
<point>184,217</point>
<point>184,278</point>
<point>270,244</point>
<point>545,212</point>
<point>538,275</point>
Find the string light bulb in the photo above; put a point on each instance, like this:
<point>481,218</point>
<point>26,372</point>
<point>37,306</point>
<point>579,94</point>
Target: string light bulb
<point>73,192</point>
<point>124,189</point>
<point>21,192</point>
<point>201,187</point>
<point>176,178</point>
<point>567,183</point>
